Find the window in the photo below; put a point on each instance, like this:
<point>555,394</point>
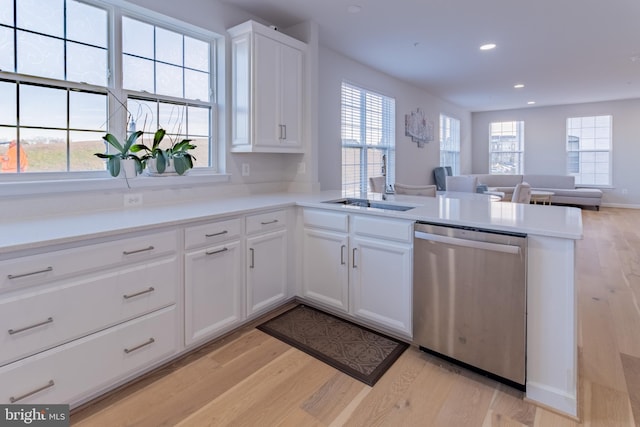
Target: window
<point>368,138</point>
<point>506,147</point>
<point>58,95</point>
<point>450,143</point>
<point>589,149</point>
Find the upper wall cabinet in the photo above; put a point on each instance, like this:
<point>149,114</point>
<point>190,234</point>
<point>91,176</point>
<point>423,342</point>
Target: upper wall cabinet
<point>267,90</point>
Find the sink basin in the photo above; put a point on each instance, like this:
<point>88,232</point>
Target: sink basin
<point>365,203</point>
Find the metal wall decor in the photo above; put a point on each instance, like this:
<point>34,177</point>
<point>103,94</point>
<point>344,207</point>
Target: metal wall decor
<point>418,127</point>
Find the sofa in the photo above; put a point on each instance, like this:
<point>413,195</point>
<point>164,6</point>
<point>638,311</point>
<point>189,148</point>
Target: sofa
<point>563,188</point>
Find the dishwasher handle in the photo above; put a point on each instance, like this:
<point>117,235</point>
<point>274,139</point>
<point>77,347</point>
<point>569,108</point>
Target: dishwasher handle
<point>497,247</point>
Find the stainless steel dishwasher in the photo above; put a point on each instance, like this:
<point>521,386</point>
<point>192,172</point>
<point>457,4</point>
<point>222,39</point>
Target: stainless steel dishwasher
<point>469,298</point>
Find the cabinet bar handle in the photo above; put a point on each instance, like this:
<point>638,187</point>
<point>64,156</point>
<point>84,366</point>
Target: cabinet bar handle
<point>17,276</point>
<point>146,291</point>
<point>354,258</point>
<point>285,131</point>
<point>216,234</point>
<point>281,126</point>
<point>219,251</point>
<point>269,222</point>
<point>138,347</point>
<point>342,248</point>
<point>44,322</point>
<point>137,251</point>
<point>252,265</point>
<point>31,393</point>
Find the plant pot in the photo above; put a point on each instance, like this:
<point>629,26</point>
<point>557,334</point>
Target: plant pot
<point>127,168</point>
<point>169,169</point>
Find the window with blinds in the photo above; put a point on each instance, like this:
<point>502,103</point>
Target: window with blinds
<point>368,138</point>
<point>450,143</point>
<point>589,149</point>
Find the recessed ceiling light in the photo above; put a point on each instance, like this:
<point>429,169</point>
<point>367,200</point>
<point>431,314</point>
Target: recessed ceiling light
<point>518,86</point>
<point>488,46</point>
<point>531,102</point>
<point>354,8</point>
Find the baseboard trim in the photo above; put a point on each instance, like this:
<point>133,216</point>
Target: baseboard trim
<point>620,205</point>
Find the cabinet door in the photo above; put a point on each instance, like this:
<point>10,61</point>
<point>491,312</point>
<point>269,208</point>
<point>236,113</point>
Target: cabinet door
<point>381,283</point>
<point>266,92</point>
<point>291,97</point>
<point>213,291</point>
<point>326,268</point>
<point>266,270</point>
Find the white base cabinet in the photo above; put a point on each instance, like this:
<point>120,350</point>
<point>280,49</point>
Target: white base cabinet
<point>266,271</point>
<point>360,265</point>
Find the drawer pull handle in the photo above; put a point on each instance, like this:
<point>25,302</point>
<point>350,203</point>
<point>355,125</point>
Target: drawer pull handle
<point>216,234</point>
<point>146,291</point>
<point>269,222</point>
<point>219,251</point>
<point>138,347</point>
<point>17,276</point>
<point>137,251</point>
<point>31,393</point>
<point>26,328</point>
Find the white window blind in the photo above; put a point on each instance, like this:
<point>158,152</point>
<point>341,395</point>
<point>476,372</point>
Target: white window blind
<point>589,149</point>
<point>368,138</point>
<point>506,147</point>
<point>450,143</point>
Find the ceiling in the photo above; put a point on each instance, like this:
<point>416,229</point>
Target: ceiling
<point>563,51</point>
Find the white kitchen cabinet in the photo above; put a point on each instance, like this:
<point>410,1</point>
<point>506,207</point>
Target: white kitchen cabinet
<point>213,291</point>
<point>267,90</point>
<point>381,282</point>
<point>360,265</point>
<point>326,268</point>
<point>266,270</point>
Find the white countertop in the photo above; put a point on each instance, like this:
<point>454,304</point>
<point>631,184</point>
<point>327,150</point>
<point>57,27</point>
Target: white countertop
<point>468,209</point>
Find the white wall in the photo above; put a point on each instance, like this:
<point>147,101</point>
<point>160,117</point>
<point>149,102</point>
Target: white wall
<point>545,150</point>
<point>413,165</point>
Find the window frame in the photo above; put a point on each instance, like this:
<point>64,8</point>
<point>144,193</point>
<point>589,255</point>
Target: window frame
<point>116,116</point>
<point>594,150</point>
<point>387,118</point>
<point>520,125</point>
<point>455,143</point>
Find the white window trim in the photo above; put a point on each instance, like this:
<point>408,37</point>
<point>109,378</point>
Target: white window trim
<point>609,185</point>
<point>521,152</point>
<point>62,182</point>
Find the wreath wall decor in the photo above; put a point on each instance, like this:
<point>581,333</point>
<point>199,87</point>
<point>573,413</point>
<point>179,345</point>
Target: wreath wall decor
<point>418,128</point>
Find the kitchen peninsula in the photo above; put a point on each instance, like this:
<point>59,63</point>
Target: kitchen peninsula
<point>81,255</point>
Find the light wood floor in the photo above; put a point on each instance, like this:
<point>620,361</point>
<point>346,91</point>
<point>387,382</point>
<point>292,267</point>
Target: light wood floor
<point>251,379</point>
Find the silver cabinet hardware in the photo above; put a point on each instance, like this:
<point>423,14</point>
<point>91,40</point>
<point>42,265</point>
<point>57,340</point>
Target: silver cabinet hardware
<point>146,291</point>
<point>216,234</point>
<point>26,328</point>
<point>31,393</point>
<point>285,131</point>
<point>219,251</point>
<point>252,265</point>
<point>137,251</point>
<point>354,258</point>
<point>342,248</point>
<point>281,131</point>
<point>269,222</point>
<point>17,276</point>
<point>138,347</point>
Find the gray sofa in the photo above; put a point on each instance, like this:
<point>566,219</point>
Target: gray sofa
<point>563,188</point>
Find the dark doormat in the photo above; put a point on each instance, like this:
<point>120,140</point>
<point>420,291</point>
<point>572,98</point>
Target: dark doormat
<point>360,352</point>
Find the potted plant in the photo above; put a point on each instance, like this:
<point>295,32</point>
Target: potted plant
<point>123,159</point>
<point>175,159</point>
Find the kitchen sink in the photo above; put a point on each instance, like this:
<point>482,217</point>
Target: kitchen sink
<point>365,203</point>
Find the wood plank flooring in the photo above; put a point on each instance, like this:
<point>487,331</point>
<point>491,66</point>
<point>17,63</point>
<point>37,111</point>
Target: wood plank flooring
<point>252,379</point>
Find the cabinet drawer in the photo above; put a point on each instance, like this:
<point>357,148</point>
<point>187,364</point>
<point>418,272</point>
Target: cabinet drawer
<point>39,318</point>
<point>385,228</point>
<point>67,373</point>
<point>266,221</point>
<point>48,267</point>
<point>215,232</point>
<point>327,220</point>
